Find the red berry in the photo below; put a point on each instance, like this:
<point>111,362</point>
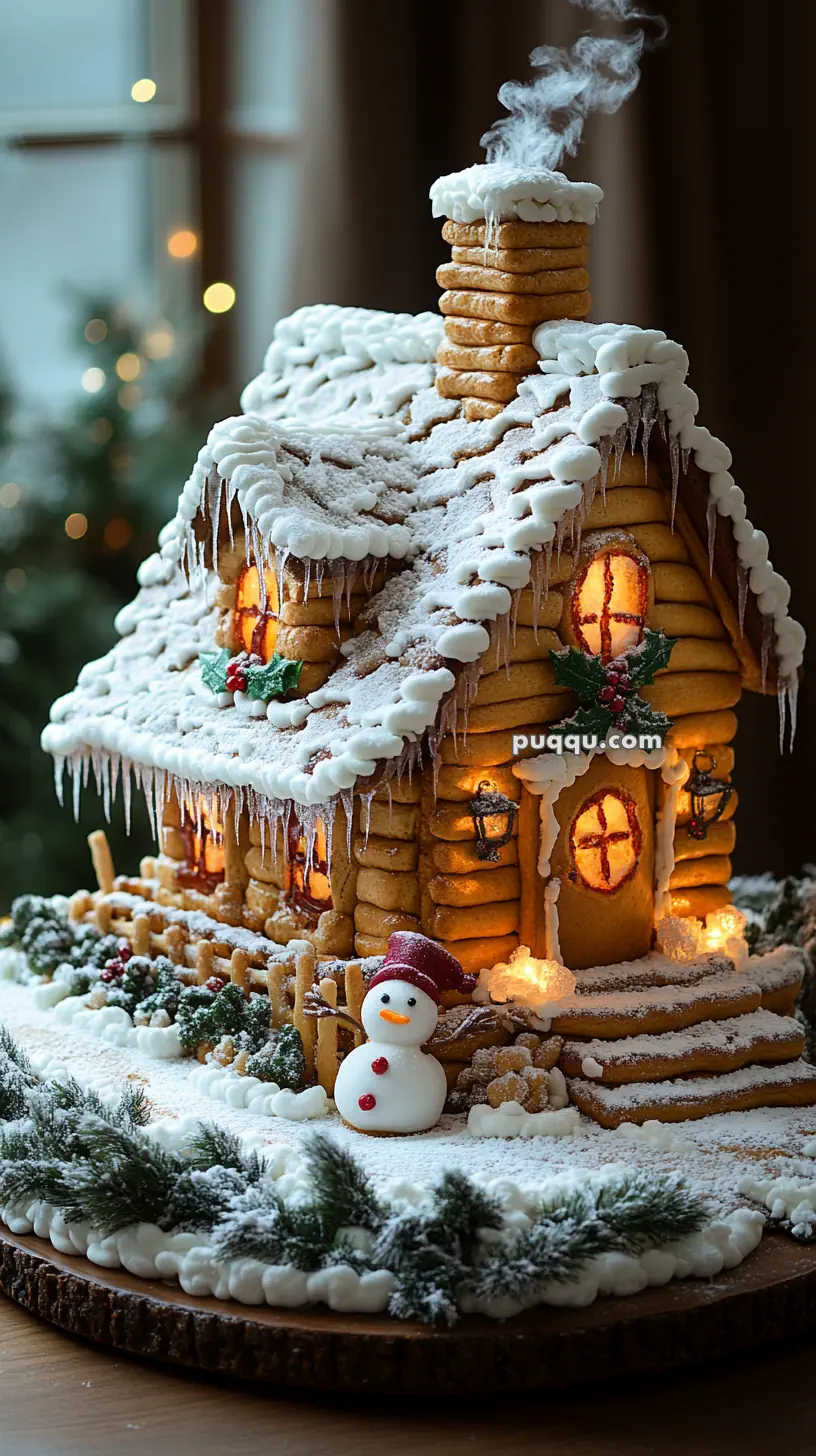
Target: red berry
<point>124,954</point>
<point>606,694</point>
<point>625,683</point>
<point>617,705</point>
<point>379,1065</point>
<point>612,679</point>
<point>367,1101</point>
<point>215,984</point>
<point>617,665</point>
<point>107,975</point>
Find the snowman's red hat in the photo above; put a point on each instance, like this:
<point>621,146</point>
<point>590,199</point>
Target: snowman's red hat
<point>427,965</point>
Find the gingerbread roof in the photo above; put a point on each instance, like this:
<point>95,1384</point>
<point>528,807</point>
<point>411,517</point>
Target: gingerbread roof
<point>347,450</point>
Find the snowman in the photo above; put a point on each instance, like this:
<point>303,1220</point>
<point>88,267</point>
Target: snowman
<point>390,1085</point>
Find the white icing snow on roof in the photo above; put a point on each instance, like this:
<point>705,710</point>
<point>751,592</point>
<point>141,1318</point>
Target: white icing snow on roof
<point>498,190</point>
<point>466,506</point>
<point>350,368</point>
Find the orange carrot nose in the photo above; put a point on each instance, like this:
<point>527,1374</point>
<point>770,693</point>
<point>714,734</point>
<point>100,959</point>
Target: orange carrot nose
<point>395,1017</point>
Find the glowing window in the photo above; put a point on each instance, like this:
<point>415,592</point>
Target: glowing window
<point>203,835</point>
<point>609,603</point>
<point>255,618</point>
<point>309,888</point>
<point>605,841</point>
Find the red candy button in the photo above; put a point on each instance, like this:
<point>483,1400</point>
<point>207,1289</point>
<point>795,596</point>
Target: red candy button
<point>379,1065</point>
<point>367,1101</point>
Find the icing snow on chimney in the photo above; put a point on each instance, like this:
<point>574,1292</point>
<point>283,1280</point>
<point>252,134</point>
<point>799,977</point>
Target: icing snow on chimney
<point>519,251</point>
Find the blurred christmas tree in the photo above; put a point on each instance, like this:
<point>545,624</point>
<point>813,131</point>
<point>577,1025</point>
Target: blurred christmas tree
<point>81,503</point>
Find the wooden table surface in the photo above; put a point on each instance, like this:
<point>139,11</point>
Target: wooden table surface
<point>59,1397</point>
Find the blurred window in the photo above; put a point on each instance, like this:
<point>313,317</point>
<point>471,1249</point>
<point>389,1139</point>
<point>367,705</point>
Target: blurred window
<point>144,201</point>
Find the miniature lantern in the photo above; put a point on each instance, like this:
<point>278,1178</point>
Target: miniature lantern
<point>493,817</point>
<point>708,796</point>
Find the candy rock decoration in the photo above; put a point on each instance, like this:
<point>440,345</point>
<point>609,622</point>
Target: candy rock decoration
<point>390,1084</point>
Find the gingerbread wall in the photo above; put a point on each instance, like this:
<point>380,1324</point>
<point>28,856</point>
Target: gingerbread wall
<point>413,862</point>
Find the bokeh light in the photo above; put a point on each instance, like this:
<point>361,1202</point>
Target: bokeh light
<point>96,330</point>
<point>100,430</point>
<point>9,494</point>
<point>76,525</point>
<point>93,380</point>
<point>129,396</point>
<point>159,342</point>
<point>182,243</point>
<point>15,579</point>
<point>128,367</point>
<point>219,297</point>
<point>118,532</point>
<point>143,90</point>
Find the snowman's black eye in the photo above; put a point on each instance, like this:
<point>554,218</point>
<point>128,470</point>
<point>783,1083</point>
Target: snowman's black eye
<point>385,998</point>
<point>412,1000</point>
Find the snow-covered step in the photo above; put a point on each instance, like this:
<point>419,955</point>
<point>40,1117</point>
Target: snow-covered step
<point>793,1084</point>
<point>657,1008</point>
<point>654,969</point>
<point>711,1046</point>
<point>778,973</point>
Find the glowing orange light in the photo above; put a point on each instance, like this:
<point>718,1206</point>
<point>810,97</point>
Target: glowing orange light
<point>182,243</point>
<point>609,605</point>
<point>309,886</point>
<point>76,525</point>
<point>203,833</point>
<point>525,980</point>
<point>605,840</point>
<point>255,622</point>
<point>118,533</point>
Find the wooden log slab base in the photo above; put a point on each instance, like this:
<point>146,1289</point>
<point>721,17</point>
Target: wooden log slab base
<point>771,1297</point>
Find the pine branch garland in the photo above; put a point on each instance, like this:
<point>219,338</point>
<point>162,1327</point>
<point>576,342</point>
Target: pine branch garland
<point>95,1164</point>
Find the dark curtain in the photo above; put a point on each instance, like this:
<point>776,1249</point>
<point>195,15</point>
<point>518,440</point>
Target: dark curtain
<point>705,232</point>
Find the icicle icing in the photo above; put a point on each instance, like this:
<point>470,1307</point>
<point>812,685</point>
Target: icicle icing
<point>711,524</point>
<point>742,595</point>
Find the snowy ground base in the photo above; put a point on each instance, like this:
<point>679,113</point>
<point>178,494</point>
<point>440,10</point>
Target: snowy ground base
<point>760,1158</point>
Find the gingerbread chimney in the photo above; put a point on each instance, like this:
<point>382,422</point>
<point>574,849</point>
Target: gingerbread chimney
<point>519,248</point>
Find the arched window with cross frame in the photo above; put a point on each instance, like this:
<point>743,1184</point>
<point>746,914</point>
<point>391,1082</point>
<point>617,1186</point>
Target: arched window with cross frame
<point>605,841</point>
<point>610,598</point>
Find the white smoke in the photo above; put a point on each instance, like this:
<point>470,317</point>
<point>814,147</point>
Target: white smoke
<point>547,114</point>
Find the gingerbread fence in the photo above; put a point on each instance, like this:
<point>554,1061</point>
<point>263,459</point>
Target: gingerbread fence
<point>202,948</point>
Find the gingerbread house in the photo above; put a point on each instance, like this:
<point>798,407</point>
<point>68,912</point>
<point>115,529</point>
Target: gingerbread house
<point>342,681</point>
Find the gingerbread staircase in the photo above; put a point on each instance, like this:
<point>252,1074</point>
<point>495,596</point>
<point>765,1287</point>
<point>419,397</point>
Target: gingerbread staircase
<point>654,1040</point>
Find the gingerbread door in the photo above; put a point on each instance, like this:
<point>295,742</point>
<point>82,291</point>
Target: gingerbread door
<point>604,859</point>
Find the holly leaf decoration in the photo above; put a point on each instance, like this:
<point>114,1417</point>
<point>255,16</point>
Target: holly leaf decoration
<point>592,718</point>
<point>582,671</point>
<point>649,657</point>
<point>640,717</point>
<point>273,678</point>
<point>214,669</point>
